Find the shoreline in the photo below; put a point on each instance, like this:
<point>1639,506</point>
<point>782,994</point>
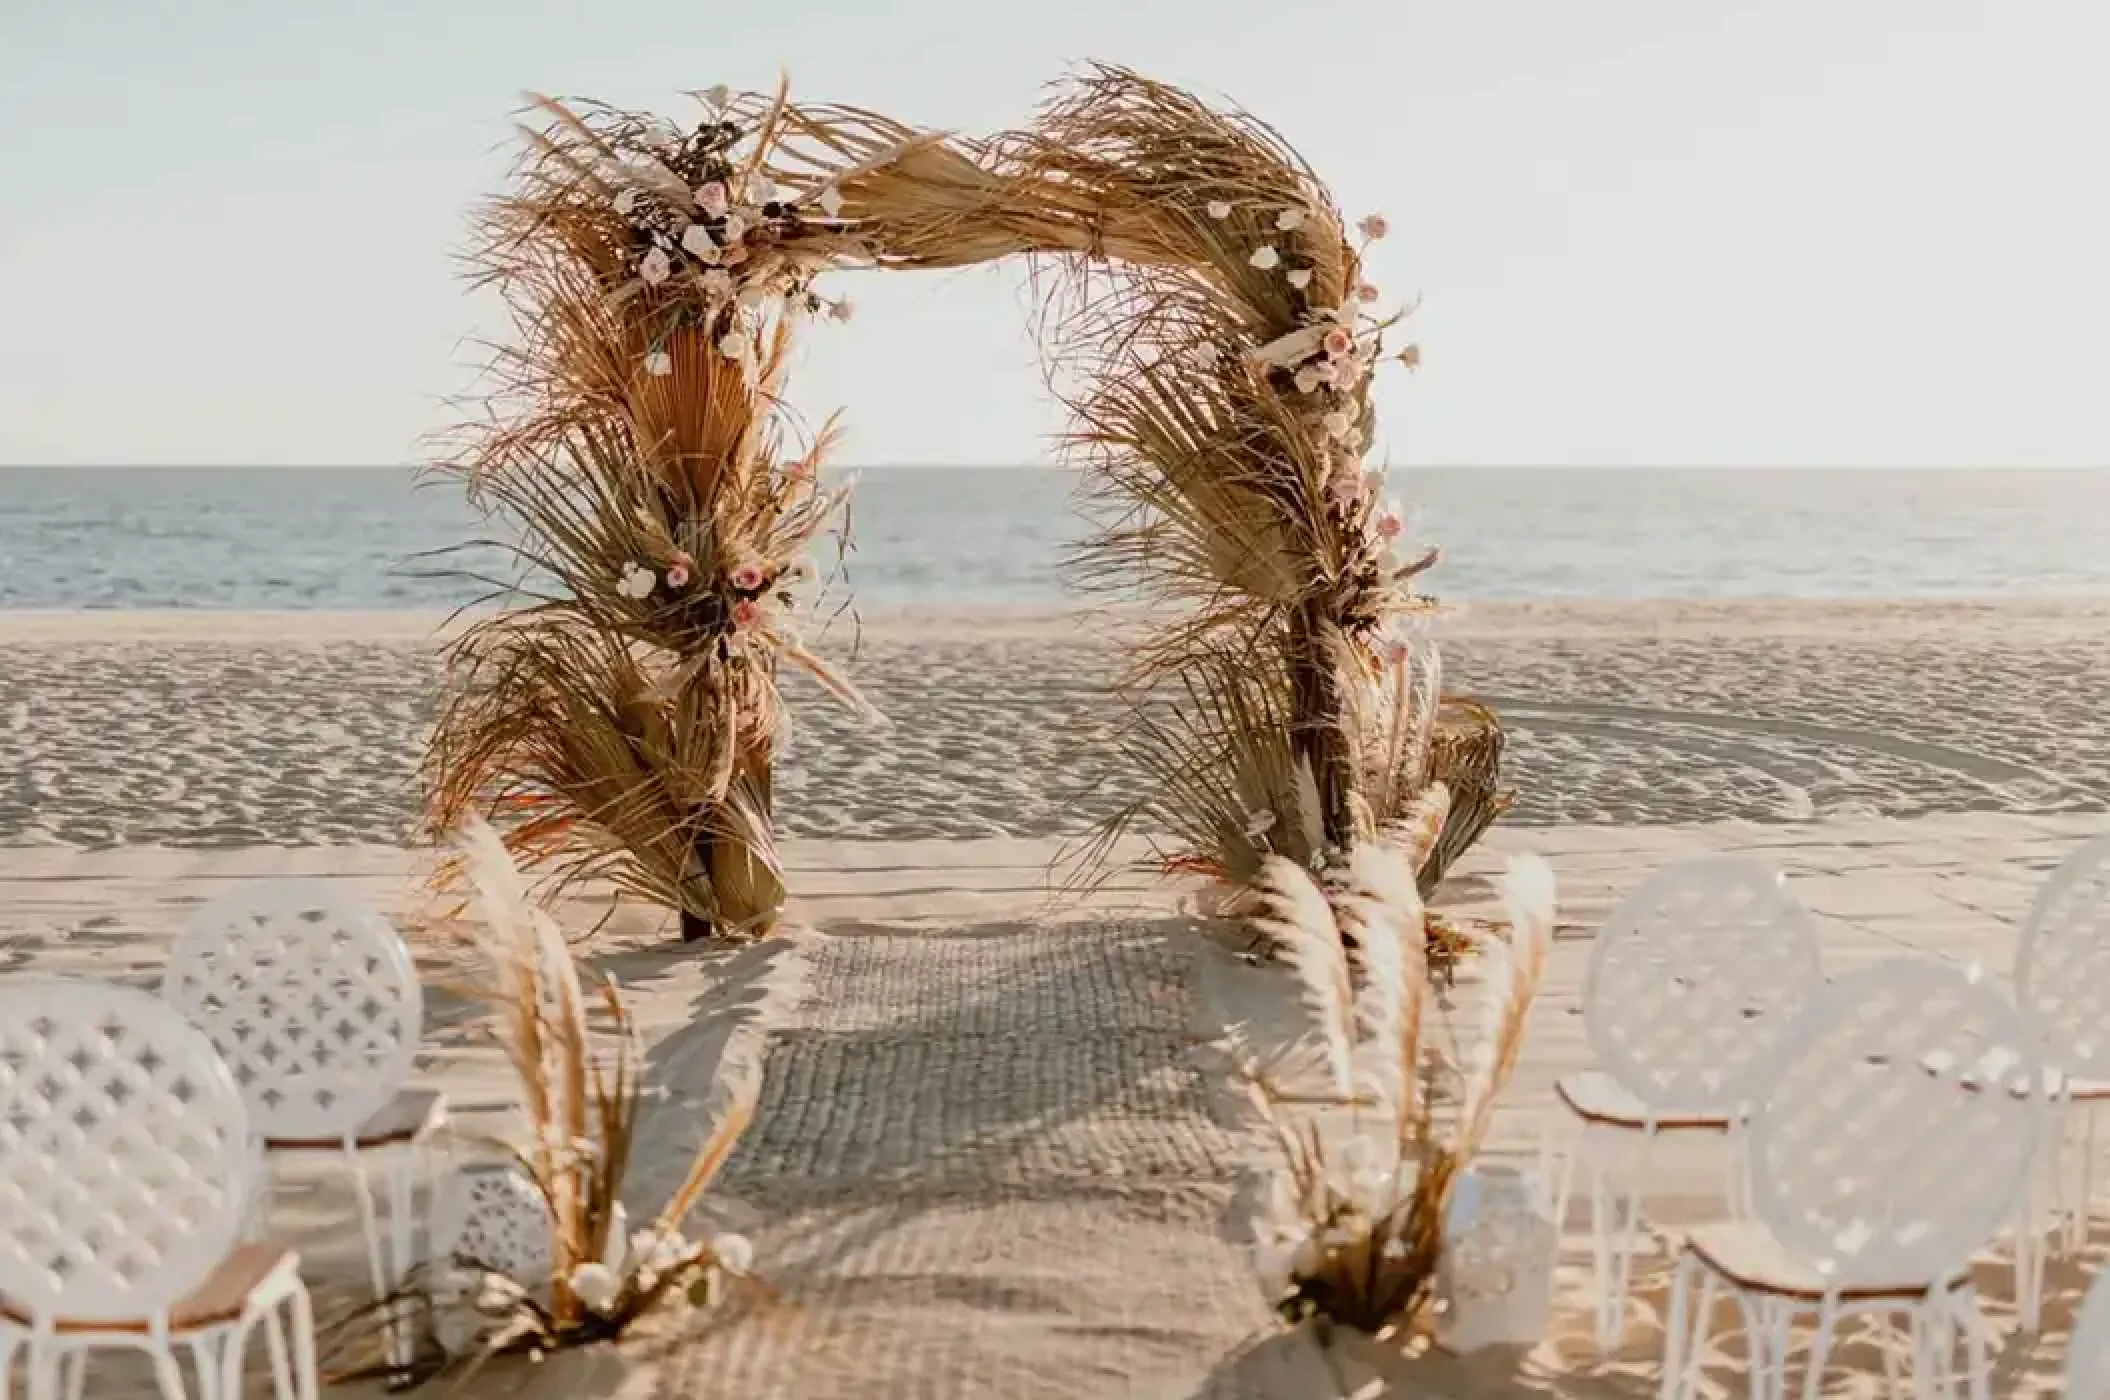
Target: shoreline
<point>1502,618</point>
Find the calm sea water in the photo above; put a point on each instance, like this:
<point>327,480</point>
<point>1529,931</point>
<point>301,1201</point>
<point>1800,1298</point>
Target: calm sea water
<point>300,538</point>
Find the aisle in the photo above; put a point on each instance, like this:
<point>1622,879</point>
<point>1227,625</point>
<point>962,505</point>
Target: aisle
<point>987,1162</point>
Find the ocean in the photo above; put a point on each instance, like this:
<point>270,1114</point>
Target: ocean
<point>347,538</point>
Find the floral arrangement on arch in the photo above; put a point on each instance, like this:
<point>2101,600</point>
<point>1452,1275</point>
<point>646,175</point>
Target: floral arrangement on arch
<point>620,720</point>
<point>1291,705</point>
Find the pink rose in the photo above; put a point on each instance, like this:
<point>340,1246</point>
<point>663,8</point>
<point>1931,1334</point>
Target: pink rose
<point>1365,293</point>
<point>711,199</point>
<point>1374,226</point>
<point>748,578</point>
<point>677,575</point>
<point>746,613</point>
<point>1338,342</point>
<point>1389,525</point>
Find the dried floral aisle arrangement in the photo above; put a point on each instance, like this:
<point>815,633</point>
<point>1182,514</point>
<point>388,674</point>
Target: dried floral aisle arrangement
<point>1360,1224</point>
<point>582,1094</point>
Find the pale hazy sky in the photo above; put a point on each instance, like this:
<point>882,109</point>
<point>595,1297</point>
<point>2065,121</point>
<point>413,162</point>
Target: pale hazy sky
<point>1648,231</point>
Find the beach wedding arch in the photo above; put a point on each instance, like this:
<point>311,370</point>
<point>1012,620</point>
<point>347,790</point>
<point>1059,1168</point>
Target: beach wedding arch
<point>1212,337</point>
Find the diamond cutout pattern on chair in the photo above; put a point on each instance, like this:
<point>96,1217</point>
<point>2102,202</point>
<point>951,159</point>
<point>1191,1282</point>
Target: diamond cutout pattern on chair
<point>310,997</point>
<point>1693,977</point>
<point>1903,1114</point>
<point>124,1160</point>
<point>2062,966</point>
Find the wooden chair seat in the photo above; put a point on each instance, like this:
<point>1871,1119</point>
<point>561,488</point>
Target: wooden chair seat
<point>214,1303</point>
<point>410,1116</point>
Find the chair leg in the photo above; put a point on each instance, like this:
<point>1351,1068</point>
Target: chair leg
<point>168,1376</point>
<point>44,1359</point>
<point>207,1362</point>
<point>1676,1327</point>
<point>2077,1221</point>
<point>74,1371</point>
<point>1820,1349</point>
<point>281,1358</point>
<point>305,1384</point>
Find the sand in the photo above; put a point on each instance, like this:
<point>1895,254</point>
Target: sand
<point>996,1153</point>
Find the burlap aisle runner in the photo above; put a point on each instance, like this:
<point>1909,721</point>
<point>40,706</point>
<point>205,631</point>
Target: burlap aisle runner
<point>988,1162</point>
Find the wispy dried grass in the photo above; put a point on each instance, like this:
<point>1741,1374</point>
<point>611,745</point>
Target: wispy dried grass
<point>1207,325</point>
<point>1215,351</point>
<point>581,1093</point>
<point>1358,1233</point>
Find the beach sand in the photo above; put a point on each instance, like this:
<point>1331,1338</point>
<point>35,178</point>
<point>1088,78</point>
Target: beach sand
<point>997,1154</point>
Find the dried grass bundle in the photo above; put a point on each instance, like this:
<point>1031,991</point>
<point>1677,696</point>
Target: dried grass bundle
<point>621,719</point>
<point>1216,346</point>
<point>1358,1234</point>
<point>581,1092</point>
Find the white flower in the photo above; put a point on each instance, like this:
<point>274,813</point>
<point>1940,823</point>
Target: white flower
<point>1308,379</point>
<point>831,201</point>
<point>657,1250</point>
<point>711,199</point>
<point>733,345</point>
<point>625,202</point>
<point>637,582</point>
<point>1289,219</point>
<point>654,267</point>
<point>1206,355</point>
<point>1338,424</point>
<point>717,96</point>
<point>1300,277</point>
<point>717,284</point>
<point>841,309</point>
<point>1219,209</point>
<point>1265,257</point>
<point>596,1286</point>
<point>735,227</point>
<point>699,243</point>
<point>659,364</point>
<point>734,1252</point>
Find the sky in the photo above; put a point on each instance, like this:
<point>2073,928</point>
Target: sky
<point>1651,232</point>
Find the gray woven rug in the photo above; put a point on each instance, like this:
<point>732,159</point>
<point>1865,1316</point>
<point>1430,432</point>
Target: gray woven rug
<point>987,1162</point>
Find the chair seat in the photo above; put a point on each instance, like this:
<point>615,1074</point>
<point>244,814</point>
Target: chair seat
<point>412,1116</point>
<point>1748,1256</point>
<point>1596,1097</point>
<point>214,1303</point>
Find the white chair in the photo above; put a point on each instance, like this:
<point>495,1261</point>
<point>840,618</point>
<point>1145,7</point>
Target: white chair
<point>125,1168</point>
<point>314,1002</point>
<point>2062,985</point>
<point>2088,1349</point>
<point>1900,1117</point>
<point>1690,982</point>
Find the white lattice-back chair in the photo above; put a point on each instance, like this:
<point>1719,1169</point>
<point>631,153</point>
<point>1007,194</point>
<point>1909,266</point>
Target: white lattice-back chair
<point>1690,982</point>
<point>125,1171</point>
<point>1890,1143</point>
<point>2062,985</point>
<point>313,1000</point>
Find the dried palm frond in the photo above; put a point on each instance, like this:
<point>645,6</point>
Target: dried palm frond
<point>621,719</point>
<point>1360,1229</point>
<point>1214,352</point>
<point>581,1093</point>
